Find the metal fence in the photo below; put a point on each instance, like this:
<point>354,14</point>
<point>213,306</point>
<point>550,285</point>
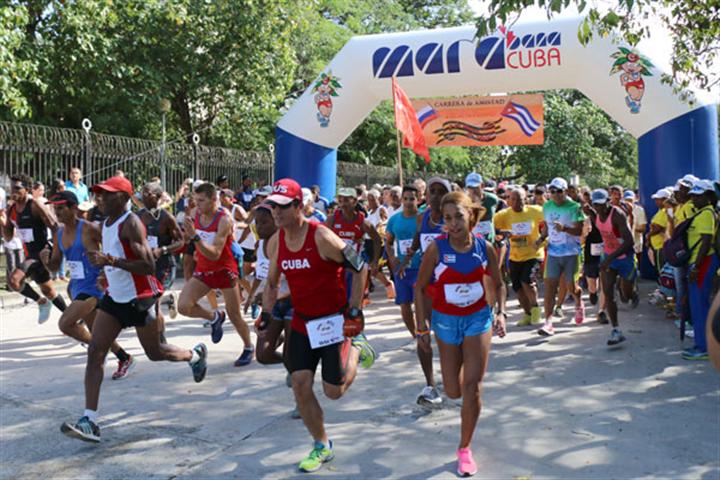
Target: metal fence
<point>46,153</point>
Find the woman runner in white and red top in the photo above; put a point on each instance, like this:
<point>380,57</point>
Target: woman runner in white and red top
<point>211,231</point>
<point>466,285</point>
<point>324,329</point>
<point>130,301</point>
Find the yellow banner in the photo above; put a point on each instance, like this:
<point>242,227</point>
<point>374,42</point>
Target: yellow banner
<point>474,121</point>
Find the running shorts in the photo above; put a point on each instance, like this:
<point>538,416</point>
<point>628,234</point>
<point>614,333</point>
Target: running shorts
<point>405,286</point>
<point>221,279</point>
<point>591,270</point>
<point>82,296</point>
<point>625,267</point>
<point>334,358</point>
<point>35,270</point>
<point>249,255</point>
<point>523,272</point>
<point>283,310</point>
<point>567,266</point>
<point>132,314</point>
<point>452,329</point>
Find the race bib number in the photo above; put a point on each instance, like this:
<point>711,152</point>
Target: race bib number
<point>325,331</point>
<point>262,268</point>
<point>26,235</point>
<point>207,237</point>
<point>484,228</point>
<point>153,241</point>
<point>77,271</point>
<point>522,228</point>
<point>463,294</point>
<point>556,237</point>
<point>404,246</point>
<point>426,239</point>
<point>596,249</point>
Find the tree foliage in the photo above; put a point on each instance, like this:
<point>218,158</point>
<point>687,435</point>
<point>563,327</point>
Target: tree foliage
<point>693,24</point>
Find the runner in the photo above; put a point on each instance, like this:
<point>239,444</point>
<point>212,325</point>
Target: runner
<point>324,329</point>
<point>378,217</point>
<point>310,212</point>
<point>617,260</point>
<point>564,223</point>
<point>592,253</point>
<point>401,230</point>
<point>211,232</point>
<point>164,237</point>
<point>31,219</point>
<point>74,239</point>
<point>130,301</point>
<point>521,224</point>
<point>466,288</point>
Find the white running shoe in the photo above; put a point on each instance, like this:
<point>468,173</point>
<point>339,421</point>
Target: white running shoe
<point>429,396</point>
<point>44,311</point>
<point>172,306</point>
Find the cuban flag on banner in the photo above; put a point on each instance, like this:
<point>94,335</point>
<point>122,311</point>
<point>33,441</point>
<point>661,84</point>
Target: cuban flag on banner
<point>425,115</point>
<point>522,117</point>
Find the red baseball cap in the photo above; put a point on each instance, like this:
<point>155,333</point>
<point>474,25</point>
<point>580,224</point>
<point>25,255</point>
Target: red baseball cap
<point>285,191</point>
<point>114,184</point>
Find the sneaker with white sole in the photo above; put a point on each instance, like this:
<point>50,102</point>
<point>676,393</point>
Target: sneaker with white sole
<point>85,430</point>
<point>124,368</point>
<point>429,396</point>
<point>44,311</point>
<point>547,330</point>
<point>172,305</point>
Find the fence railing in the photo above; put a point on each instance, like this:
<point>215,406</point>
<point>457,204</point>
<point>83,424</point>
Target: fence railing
<point>46,153</point>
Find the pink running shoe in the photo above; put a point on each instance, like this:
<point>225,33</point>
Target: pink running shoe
<point>580,314</point>
<point>466,464</point>
<point>124,368</point>
<point>547,330</point>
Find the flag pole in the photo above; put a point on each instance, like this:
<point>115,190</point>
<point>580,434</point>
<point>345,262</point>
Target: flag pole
<point>397,136</point>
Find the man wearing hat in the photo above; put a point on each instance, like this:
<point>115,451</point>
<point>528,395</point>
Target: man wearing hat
<point>639,220</point>
<point>326,325</point>
<point>683,210</point>
<point>130,301</point>
<point>73,240</point>
<point>658,227</point>
<point>617,260</point>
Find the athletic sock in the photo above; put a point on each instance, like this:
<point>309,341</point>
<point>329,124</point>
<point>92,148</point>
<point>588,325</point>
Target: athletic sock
<point>59,302</point>
<point>30,293</point>
<point>122,355</point>
<point>195,356</point>
<point>92,415</point>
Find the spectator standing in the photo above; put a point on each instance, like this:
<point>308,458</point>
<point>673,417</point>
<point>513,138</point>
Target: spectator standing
<point>76,185</point>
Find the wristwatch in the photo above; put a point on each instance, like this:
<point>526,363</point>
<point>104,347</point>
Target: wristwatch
<point>195,238</point>
<point>354,312</point>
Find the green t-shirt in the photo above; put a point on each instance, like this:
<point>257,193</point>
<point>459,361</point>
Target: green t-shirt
<point>485,226</point>
<point>562,244</point>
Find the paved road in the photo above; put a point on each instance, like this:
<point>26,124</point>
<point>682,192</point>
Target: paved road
<point>564,408</point>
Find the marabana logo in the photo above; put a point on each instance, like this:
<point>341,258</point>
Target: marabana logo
<point>505,50</point>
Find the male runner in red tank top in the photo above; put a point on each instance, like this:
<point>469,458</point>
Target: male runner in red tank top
<point>323,328</point>
<point>211,230</point>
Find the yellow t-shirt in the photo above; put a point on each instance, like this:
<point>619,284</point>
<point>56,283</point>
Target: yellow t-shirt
<point>684,211</point>
<point>702,224</point>
<point>657,240</point>
<point>525,228</point>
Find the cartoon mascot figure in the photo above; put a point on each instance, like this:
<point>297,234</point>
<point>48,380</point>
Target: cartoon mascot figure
<point>633,67</point>
<point>326,88</point>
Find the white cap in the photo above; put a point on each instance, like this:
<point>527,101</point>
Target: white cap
<point>688,180</point>
<point>598,196</point>
<point>559,183</point>
<point>702,186</point>
<point>440,181</point>
<point>662,193</point>
<point>197,183</point>
<point>307,196</point>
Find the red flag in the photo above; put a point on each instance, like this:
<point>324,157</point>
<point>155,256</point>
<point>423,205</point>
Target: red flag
<point>406,121</point>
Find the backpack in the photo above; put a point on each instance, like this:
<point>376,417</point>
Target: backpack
<point>676,250</point>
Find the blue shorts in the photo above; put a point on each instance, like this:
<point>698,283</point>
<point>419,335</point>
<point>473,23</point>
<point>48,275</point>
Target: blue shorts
<point>283,309</point>
<point>405,287</point>
<point>624,266</point>
<point>452,329</point>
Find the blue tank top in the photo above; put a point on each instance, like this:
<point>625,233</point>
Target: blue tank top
<point>83,275</point>
<point>428,232</point>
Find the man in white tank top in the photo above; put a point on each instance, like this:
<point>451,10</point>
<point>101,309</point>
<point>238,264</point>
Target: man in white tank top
<point>130,300</point>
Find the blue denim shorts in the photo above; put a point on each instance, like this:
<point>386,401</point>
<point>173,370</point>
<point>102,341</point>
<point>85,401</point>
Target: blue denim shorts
<point>452,329</point>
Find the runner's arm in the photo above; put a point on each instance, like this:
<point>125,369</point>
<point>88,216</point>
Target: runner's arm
<point>270,294</point>
<point>53,263</point>
<point>173,229</point>
<point>425,273</point>
<point>45,215</point>
<point>213,251</point>
<point>8,229</point>
<point>133,232</point>
<point>331,247</point>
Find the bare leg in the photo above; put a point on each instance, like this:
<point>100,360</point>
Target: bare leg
<point>310,410</point>
<point>475,351</point>
<point>105,330</point>
<point>232,307</point>
<point>608,281</point>
<point>156,351</point>
<point>188,304</point>
<point>551,286</point>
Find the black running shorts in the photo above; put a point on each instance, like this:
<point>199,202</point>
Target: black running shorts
<point>35,270</point>
<point>132,314</point>
<point>334,358</point>
<point>523,272</point>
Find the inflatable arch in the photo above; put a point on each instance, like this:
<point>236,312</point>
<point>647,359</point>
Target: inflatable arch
<point>674,137</point>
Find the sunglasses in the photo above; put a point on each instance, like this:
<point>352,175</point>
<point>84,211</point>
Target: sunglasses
<point>556,190</point>
<point>281,207</point>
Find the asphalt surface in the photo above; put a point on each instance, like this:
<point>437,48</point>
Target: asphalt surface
<point>567,407</point>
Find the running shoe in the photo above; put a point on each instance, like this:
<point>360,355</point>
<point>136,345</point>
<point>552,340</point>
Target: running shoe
<point>580,314</point>
<point>199,368</point>
<point>695,354</point>
<point>689,330</point>
<point>466,464</point>
<point>172,305</point>
<point>217,331</point>
<point>255,311</point>
<point>602,317</point>
<point>524,321</point>
<point>390,291</point>
<point>84,430</point>
<point>616,337</point>
<point>44,311</point>
<point>124,368</point>
<point>558,312</point>
<point>319,455</point>
<point>367,352</point>
<point>535,315</point>
<point>547,330</point>
<point>429,397</point>
<point>593,298</point>
<point>635,300</point>
<point>246,357</point>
